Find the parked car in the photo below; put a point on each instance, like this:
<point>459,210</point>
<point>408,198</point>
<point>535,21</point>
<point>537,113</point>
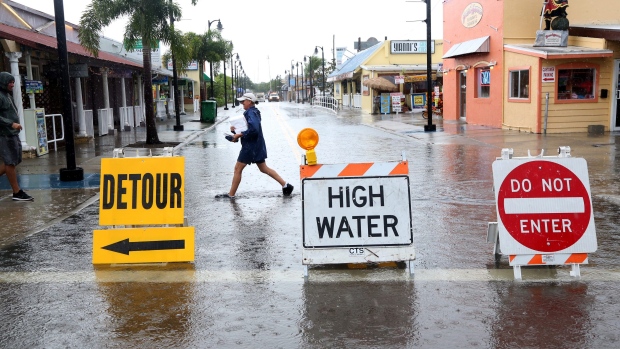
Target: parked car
<point>260,97</point>
<point>273,97</point>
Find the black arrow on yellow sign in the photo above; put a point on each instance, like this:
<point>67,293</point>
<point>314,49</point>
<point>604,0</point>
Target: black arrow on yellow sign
<point>124,246</point>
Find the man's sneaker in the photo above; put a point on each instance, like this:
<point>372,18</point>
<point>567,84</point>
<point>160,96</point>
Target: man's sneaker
<point>287,190</point>
<point>21,196</point>
<point>224,196</point>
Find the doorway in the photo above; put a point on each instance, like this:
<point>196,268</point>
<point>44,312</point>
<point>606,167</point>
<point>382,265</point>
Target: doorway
<point>463,94</point>
<point>615,112</point>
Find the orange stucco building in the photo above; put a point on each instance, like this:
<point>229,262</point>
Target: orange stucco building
<point>495,75</point>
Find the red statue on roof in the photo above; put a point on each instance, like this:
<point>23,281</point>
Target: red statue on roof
<point>555,14</point>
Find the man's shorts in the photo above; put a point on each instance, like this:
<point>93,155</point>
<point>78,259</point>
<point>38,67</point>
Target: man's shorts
<point>10,150</point>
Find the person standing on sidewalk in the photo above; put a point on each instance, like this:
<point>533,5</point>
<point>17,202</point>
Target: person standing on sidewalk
<point>253,148</point>
<point>10,144</point>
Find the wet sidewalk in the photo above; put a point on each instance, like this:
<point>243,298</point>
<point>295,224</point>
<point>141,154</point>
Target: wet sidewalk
<point>54,200</point>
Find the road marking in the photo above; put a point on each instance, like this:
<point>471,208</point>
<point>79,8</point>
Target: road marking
<point>288,132</point>
<point>110,275</point>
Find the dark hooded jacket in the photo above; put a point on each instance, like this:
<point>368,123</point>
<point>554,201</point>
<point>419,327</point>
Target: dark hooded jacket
<point>8,110</point>
<point>253,146</point>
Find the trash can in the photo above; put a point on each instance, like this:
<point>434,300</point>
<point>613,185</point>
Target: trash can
<point>208,111</point>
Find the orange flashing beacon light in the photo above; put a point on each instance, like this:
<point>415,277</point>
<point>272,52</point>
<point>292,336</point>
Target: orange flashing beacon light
<point>308,138</point>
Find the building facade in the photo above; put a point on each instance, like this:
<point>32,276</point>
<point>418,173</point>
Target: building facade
<point>495,74</point>
<point>388,59</point>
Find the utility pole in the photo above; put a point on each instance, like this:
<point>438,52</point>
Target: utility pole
<point>429,72</point>
<point>71,173</point>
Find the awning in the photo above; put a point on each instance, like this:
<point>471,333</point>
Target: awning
<point>569,52</point>
<point>479,45</point>
<point>33,39</point>
<point>604,31</point>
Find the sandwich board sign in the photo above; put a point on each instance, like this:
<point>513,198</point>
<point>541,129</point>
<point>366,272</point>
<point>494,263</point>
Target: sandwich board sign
<point>356,213</point>
<point>544,210</point>
<point>143,199</point>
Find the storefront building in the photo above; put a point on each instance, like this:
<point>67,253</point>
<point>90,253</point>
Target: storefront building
<point>496,75</point>
<point>393,60</point>
<point>29,51</point>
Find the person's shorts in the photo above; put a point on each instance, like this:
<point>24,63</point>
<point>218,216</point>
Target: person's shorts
<point>10,150</point>
<point>248,161</point>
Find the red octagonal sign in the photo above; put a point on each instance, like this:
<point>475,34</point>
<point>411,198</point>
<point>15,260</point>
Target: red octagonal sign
<point>544,206</point>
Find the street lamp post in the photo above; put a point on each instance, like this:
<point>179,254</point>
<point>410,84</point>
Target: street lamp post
<point>429,127</point>
<point>237,71</point>
<point>286,73</point>
<point>316,52</point>
<point>303,85</point>
<point>293,96</point>
<point>296,78</point>
<point>232,76</point>
<point>225,94</point>
<point>175,83</point>
<point>309,65</point>
<point>219,28</point>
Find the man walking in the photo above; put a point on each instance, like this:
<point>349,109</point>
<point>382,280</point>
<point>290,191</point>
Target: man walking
<point>253,148</point>
<point>10,144</point>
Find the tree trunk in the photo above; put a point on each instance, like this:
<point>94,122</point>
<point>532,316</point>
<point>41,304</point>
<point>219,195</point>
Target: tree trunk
<point>151,128</point>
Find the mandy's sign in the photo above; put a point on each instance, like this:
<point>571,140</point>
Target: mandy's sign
<point>472,14</point>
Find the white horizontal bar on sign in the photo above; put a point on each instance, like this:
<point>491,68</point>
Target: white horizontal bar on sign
<point>543,205</point>
<point>381,169</point>
<point>329,170</point>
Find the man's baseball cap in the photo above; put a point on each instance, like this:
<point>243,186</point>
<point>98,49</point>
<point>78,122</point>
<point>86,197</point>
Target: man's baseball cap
<point>248,97</point>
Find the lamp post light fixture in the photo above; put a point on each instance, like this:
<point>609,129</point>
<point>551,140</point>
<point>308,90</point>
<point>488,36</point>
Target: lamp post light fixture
<point>309,66</point>
<point>316,52</point>
<point>219,28</point>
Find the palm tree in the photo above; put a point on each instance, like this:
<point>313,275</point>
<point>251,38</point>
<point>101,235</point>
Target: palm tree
<point>148,21</point>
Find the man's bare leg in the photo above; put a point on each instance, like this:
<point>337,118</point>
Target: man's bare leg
<point>271,172</point>
<point>239,166</point>
<point>11,175</point>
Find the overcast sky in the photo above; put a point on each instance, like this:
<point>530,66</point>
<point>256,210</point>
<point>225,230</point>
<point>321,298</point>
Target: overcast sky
<point>269,34</point>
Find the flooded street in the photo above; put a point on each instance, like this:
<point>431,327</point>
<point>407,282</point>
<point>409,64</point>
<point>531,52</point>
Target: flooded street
<point>246,288</point>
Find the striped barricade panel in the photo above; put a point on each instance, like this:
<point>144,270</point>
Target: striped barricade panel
<point>549,259</point>
<point>369,169</point>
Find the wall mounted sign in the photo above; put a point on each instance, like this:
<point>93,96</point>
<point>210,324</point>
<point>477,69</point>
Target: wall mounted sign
<point>472,14</point>
<point>410,46</point>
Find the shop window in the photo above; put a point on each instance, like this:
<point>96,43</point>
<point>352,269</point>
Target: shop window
<point>520,84</point>
<point>576,84</point>
<point>484,83</point>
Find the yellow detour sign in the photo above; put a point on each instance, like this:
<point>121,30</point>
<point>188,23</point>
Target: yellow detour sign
<point>143,245</point>
<point>142,191</point>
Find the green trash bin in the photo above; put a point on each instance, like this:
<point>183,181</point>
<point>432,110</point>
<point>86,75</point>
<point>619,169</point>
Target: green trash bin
<point>208,111</point>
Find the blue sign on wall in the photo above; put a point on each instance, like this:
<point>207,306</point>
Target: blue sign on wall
<point>485,77</point>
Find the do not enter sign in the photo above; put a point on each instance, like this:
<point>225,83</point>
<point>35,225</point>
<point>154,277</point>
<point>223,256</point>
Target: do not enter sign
<point>544,206</point>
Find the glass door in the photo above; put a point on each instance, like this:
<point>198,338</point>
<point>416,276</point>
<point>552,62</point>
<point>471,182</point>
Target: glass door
<point>463,93</point>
